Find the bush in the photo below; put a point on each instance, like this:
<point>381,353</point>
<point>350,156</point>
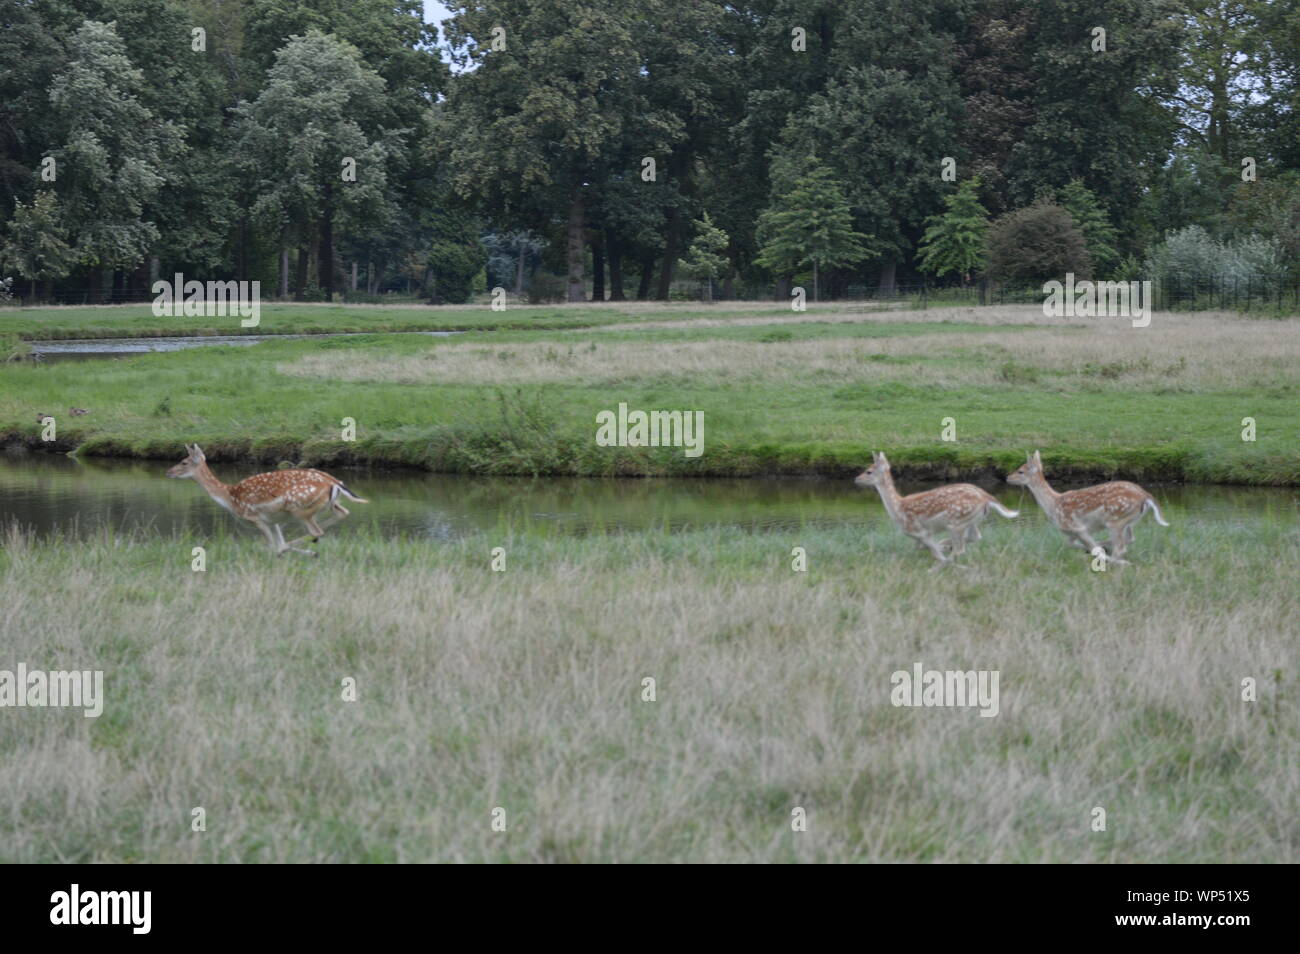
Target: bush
<point>1192,255</point>
<point>545,288</point>
<point>1036,244</point>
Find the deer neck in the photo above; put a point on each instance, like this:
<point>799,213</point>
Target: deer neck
<point>1043,492</point>
<point>891,498</point>
<point>216,489</point>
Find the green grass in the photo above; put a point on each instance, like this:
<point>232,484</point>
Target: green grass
<point>276,318</point>
<point>522,690</point>
<point>781,394</point>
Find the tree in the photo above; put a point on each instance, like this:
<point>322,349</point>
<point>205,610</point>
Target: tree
<point>113,151</point>
<point>37,247</point>
<point>705,258</point>
<point>456,255</point>
<point>316,157</point>
<point>1090,217</point>
<point>954,241</point>
<point>1098,115</point>
<point>1037,243</point>
<point>810,225</point>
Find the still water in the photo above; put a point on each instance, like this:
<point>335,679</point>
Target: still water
<point>49,492</point>
<point>107,347</point>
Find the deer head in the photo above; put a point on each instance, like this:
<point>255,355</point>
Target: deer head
<point>193,461</point>
<point>1026,472</point>
<point>873,475</point>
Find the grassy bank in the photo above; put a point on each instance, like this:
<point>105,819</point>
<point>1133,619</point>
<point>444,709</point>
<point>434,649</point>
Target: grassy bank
<point>283,318</point>
<point>781,393</point>
<point>522,690</point>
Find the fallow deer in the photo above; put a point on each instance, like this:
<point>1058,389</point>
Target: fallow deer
<point>300,493</point>
<point>956,509</point>
<point>1079,514</point>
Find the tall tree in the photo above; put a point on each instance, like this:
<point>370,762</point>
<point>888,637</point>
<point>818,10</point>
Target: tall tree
<point>112,152</point>
<point>810,225</point>
<point>954,242</point>
<point>310,140</point>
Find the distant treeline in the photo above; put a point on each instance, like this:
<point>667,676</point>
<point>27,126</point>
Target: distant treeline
<point>324,147</point>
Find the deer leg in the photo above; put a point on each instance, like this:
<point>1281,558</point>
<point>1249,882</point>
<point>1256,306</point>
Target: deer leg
<point>269,530</point>
<point>973,533</point>
<point>284,547</point>
<point>1091,545</point>
<point>1118,542</point>
<point>936,548</point>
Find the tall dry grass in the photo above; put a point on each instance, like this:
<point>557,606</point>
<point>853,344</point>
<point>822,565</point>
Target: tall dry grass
<point>522,690</point>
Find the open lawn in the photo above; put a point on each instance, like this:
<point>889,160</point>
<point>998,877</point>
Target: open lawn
<point>780,392</point>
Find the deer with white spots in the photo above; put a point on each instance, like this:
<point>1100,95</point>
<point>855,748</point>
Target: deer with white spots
<point>955,509</point>
<point>300,493</point>
<point>1080,514</point>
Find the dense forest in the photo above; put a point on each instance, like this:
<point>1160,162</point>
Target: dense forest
<point>593,149</point>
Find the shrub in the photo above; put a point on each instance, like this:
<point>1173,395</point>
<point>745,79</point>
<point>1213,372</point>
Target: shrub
<point>1035,244</point>
<point>1192,255</point>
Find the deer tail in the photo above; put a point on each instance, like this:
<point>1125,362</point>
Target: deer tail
<point>1155,511</point>
<point>994,505</point>
<point>342,488</point>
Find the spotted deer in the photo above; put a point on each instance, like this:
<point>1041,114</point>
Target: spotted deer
<point>1080,514</point>
<point>301,493</point>
<point>956,509</point>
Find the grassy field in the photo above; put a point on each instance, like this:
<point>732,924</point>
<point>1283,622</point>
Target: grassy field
<point>781,393</point>
<point>522,690</point>
<point>283,318</point>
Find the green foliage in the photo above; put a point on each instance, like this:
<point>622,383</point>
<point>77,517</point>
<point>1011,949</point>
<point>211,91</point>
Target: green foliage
<point>36,247</point>
<point>705,259</point>
<point>954,242</point>
<point>1037,243</point>
<point>1090,217</point>
<point>456,257</point>
<point>1193,255</point>
<point>810,225</point>
<point>112,151</point>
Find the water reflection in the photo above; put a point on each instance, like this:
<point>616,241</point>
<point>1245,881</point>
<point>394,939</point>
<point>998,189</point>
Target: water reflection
<point>48,492</point>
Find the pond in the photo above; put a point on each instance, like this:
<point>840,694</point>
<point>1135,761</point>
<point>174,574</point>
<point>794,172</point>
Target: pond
<point>108,347</point>
<point>52,492</point>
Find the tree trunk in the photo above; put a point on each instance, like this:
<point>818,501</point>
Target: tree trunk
<point>300,279</point>
<point>92,285</point>
<point>354,274</point>
<point>242,255</point>
<point>783,289</point>
<point>670,257</point>
<point>519,271</point>
<point>326,254</point>
<point>647,277</point>
<point>577,246</point>
<point>729,286</point>
<point>615,255</point>
<point>815,292</point>
<point>284,272</point>
<point>887,269</point>
<point>598,265</point>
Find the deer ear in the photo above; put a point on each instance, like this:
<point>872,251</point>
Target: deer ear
<point>198,452</point>
<point>1037,458</point>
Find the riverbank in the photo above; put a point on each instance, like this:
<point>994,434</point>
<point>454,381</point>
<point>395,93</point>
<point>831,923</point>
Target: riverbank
<point>525,690</point>
<point>780,394</point>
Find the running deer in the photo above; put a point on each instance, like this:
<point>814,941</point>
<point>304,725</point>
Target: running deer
<point>956,509</point>
<point>1079,514</point>
<point>300,493</point>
